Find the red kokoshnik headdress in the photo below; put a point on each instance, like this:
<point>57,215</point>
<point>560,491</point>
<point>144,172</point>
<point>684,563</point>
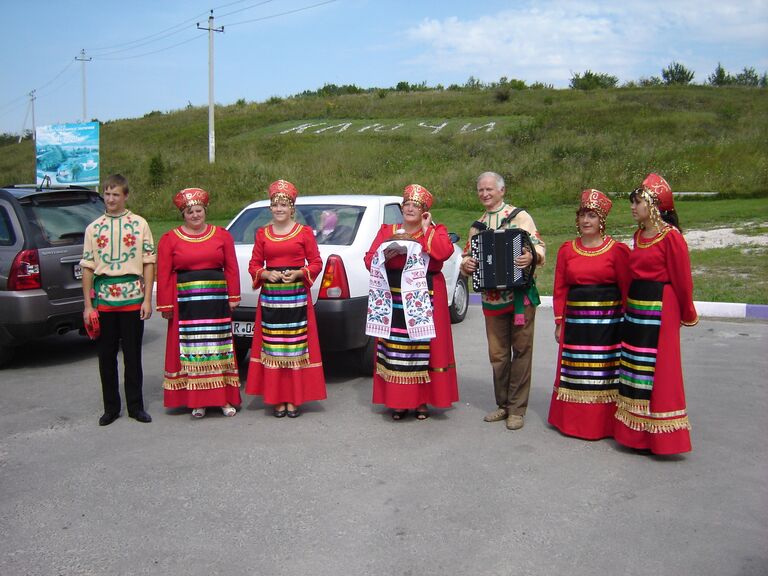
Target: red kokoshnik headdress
<point>283,190</point>
<point>592,199</point>
<point>419,195</point>
<point>659,192</point>
<point>191,197</point>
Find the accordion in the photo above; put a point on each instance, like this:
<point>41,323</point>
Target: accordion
<point>495,252</point>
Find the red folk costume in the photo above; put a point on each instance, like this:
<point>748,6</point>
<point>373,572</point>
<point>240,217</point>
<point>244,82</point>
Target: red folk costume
<point>286,366</point>
<point>441,388</point>
<point>588,300</point>
<point>197,277</point>
<point>651,411</point>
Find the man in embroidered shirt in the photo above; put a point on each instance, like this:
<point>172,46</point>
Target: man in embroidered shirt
<point>509,314</point>
<point>118,272</point>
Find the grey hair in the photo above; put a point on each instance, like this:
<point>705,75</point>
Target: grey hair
<point>498,177</point>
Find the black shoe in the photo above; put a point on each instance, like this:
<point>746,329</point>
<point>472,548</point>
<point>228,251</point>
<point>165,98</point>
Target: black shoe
<point>279,413</point>
<point>141,416</point>
<point>295,413</point>
<point>108,417</point>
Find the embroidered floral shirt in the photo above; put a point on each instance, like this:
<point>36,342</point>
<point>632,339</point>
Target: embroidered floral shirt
<point>116,249</point>
<point>502,301</point>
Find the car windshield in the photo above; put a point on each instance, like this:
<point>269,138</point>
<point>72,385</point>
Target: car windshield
<point>61,219</point>
<point>334,224</point>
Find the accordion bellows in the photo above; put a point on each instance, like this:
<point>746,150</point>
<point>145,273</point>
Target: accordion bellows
<point>495,252</point>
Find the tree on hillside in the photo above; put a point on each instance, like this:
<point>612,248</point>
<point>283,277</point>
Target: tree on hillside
<point>747,77</point>
<point>676,73</point>
<point>720,77</point>
<point>592,80</point>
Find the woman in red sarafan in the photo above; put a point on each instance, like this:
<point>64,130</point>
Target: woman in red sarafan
<point>398,381</point>
<point>198,284</point>
<point>651,412</point>
<point>591,282</point>
<point>286,367</point>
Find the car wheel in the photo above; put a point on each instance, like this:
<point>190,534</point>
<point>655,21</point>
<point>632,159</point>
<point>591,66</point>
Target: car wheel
<point>6,353</point>
<point>368,357</point>
<point>460,300</point>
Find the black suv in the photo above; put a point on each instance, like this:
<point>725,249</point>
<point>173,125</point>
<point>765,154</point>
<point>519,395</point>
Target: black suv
<point>41,243</point>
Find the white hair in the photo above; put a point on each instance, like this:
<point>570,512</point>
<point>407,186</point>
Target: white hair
<point>498,177</point>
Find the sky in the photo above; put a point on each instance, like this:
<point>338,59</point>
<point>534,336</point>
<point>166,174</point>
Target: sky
<point>148,55</point>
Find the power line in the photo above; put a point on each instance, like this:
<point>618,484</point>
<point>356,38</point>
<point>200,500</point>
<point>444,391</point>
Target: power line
<point>180,25</point>
<point>187,41</point>
<point>281,13</point>
<point>139,45</point>
<point>244,9</point>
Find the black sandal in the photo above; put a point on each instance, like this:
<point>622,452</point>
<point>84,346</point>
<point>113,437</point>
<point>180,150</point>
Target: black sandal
<point>422,414</point>
<point>398,414</point>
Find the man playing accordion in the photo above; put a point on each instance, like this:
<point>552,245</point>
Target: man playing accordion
<point>509,313</point>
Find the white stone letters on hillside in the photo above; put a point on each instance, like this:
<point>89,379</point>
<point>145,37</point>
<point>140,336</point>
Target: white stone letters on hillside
<point>423,127</point>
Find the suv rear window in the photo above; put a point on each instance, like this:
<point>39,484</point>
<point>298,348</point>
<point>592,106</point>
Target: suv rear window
<point>61,219</point>
<point>7,237</point>
<point>344,220</point>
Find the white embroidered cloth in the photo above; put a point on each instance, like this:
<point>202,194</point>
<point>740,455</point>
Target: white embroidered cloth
<point>417,306</point>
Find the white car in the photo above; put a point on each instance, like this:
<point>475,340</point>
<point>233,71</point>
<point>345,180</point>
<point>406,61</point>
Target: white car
<point>340,295</point>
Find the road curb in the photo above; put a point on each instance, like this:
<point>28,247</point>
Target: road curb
<point>705,309</point>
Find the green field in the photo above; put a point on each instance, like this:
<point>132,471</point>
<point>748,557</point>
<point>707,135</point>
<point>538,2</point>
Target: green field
<point>548,144</point>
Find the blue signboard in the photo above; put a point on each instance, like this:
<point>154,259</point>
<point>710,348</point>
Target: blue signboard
<point>68,154</point>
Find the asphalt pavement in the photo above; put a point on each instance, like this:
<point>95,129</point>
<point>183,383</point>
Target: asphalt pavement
<point>345,490</point>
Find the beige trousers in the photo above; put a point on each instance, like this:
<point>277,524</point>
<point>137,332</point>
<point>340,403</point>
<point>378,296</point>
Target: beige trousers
<point>510,350</point>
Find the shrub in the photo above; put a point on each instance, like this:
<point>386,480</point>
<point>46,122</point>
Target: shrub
<point>274,100</point>
<point>676,73</point>
<point>592,80</point>
<point>502,94</point>
<point>473,83</point>
<point>648,82</point>
<point>157,171</point>
<point>240,102</point>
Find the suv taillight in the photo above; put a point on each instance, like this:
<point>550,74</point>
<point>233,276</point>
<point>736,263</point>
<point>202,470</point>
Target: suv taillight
<point>334,284</point>
<point>25,271</point>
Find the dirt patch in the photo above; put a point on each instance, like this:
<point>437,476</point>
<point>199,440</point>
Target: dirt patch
<point>723,238</point>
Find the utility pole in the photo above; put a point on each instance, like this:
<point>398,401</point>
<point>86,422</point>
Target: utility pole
<point>30,107</point>
<point>83,59</point>
<point>211,130</point>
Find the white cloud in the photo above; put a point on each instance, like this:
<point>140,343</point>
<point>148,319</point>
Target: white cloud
<point>549,41</point>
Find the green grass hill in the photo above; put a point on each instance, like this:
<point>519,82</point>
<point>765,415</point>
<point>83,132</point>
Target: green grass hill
<point>548,144</point>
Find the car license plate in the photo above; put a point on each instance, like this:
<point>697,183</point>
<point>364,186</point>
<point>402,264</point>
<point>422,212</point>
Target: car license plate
<point>78,272</point>
<point>242,329</point>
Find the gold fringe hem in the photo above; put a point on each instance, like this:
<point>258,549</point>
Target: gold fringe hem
<point>641,424</point>
<point>181,383</point>
<point>587,396</point>
<point>275,362</point>
<point>642,407</point>
<point>420,377</point>
<point>208,367</point>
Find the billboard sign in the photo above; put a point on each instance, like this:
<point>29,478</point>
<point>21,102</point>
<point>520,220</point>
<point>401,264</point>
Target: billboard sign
<point>68,154</point>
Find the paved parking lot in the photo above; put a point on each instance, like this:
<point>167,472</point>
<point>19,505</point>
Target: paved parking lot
<point>344,490</point>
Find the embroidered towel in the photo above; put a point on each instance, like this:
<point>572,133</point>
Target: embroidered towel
<point>417,306</point>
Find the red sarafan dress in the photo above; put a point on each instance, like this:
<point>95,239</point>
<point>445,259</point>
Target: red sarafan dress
<point>200,270</point>
<point>651,412</point>
<point>441,390</point>
<point>588,300</point>
<point>286,365</point>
